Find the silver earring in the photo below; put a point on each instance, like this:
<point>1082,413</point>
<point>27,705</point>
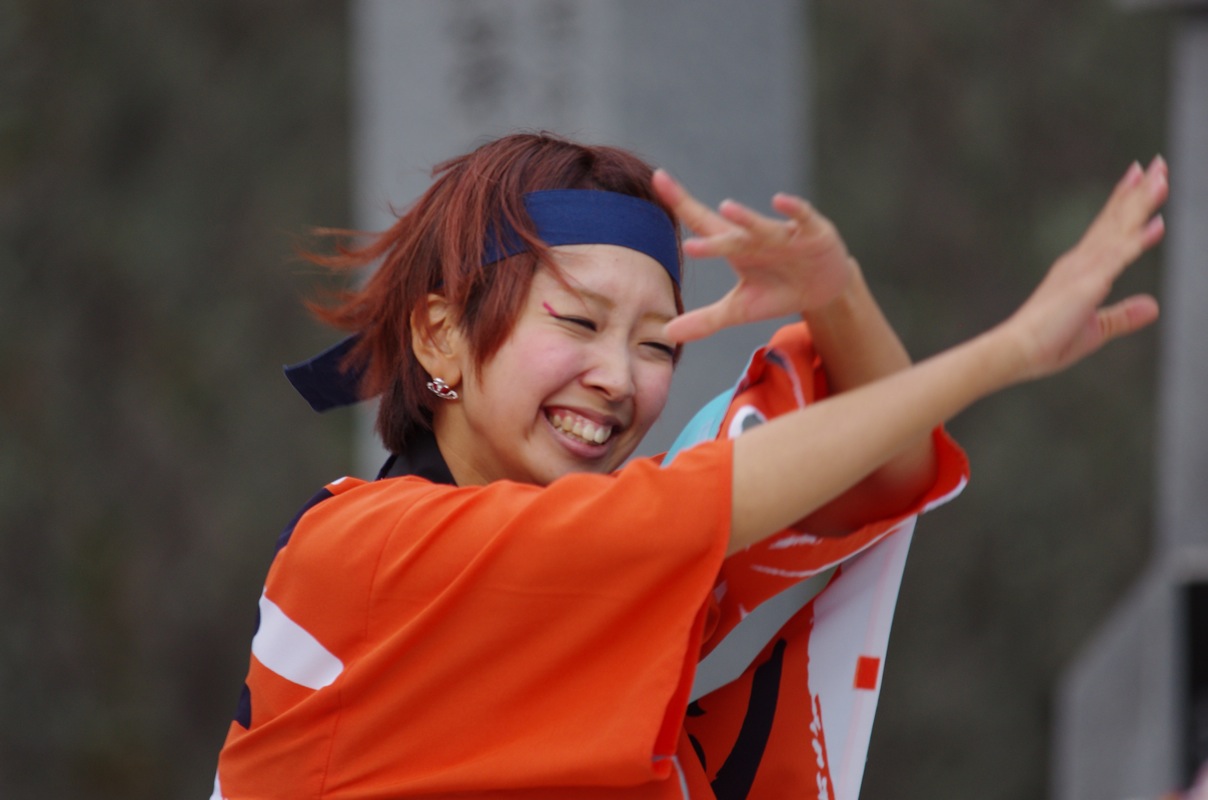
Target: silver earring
<point>441,389</point>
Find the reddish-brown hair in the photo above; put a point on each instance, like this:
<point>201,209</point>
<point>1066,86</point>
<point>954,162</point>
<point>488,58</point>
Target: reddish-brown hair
<point>438,245</point>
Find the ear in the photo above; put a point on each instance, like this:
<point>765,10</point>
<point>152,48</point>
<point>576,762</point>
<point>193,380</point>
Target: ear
<point>437,341</point>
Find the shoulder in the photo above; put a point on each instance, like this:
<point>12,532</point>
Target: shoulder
<point>687,501</point>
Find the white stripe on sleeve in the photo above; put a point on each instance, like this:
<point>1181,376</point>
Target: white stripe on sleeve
<point>289,650</point>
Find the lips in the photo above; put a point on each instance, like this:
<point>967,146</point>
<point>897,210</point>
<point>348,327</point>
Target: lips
<point>579,427</point>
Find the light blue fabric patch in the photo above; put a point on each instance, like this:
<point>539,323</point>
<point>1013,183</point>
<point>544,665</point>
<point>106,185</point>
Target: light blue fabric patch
<point>703,427</point>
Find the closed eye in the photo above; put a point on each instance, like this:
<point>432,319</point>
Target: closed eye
<point>664,349</point>
<point>580,321</point>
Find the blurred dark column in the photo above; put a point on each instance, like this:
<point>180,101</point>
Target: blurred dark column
<point>716,92</point>
<point>1128,724</point>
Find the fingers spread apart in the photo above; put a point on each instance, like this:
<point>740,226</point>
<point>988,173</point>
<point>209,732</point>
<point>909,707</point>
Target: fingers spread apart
<point>733,227</point>
<point>1131,209</point>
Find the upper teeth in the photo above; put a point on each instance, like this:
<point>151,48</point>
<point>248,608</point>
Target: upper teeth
<point>581,428</point>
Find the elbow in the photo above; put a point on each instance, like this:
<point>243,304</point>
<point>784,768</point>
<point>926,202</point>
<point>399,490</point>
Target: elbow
<point>898,485</point>
<point>892,490</point>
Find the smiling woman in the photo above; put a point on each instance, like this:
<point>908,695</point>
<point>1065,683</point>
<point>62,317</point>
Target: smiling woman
<point>595,364</point>
<point>513,611</point>
<point>475,240</point>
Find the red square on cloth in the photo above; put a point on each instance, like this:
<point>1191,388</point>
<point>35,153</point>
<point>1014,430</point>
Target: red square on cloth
<point>868,670</point>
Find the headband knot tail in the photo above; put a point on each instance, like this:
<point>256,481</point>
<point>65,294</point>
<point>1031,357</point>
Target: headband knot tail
<point>323,381</point>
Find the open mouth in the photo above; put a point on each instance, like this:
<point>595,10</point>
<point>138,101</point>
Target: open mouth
<point>579,428</point>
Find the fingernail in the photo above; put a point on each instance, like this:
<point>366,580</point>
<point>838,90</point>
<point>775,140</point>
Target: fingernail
<point>1155,227</point>
<point>1159,184</point>
<point>1134,173</point>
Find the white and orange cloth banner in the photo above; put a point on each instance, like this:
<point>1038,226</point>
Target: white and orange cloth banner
<point>817,609</point>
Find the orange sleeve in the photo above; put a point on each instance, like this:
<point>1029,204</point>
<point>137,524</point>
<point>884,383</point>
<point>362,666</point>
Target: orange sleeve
<point>493,637</point>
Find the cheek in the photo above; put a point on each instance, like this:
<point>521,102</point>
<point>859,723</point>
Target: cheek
<point>544,365</point>
<point>653,387</point>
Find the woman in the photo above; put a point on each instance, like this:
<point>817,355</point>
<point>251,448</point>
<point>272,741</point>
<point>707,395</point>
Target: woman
<point>511,611</point>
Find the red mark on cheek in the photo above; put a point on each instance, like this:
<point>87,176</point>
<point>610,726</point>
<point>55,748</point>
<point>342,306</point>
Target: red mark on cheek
<point>547,307</point>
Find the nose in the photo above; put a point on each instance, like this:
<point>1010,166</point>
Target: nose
<point>611,370</point>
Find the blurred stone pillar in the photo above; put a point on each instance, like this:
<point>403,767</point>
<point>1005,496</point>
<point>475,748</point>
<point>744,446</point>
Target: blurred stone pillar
<point>1132,714</point>
<point>715,91</point>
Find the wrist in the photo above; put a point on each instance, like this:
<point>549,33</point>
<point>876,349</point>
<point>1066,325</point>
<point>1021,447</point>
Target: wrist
<point>845,301</point>
<point>1004,358</point>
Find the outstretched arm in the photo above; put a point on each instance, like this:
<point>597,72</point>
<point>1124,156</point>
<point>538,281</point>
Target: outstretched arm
<point>796,464</point>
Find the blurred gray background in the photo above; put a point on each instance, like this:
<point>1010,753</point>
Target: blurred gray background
<point>159,164</point>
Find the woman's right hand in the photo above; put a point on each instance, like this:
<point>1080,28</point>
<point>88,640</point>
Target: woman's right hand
<point>790,265</point>
<point>1065,318</point>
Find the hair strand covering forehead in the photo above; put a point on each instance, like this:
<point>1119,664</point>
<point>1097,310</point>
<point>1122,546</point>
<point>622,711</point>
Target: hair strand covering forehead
<point>560,217</point>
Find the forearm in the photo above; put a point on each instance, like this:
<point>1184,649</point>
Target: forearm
<point>796,464</point>
<point>856,342</point>
<point>857,346</point>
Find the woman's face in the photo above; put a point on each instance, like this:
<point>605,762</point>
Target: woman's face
<point>580,379</point>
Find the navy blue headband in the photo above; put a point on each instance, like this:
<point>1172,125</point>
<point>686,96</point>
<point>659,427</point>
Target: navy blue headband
<point>587,216</point>
<point>560,216</point>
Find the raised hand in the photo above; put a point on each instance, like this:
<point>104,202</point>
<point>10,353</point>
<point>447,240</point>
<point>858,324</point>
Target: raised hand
<point>1065,319</point>
<point>784,266</point>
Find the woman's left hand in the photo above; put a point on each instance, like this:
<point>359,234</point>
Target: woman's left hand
<point>784,266</point>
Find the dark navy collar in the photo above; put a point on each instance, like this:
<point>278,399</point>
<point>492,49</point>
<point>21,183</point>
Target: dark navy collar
<point>421,458</point>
